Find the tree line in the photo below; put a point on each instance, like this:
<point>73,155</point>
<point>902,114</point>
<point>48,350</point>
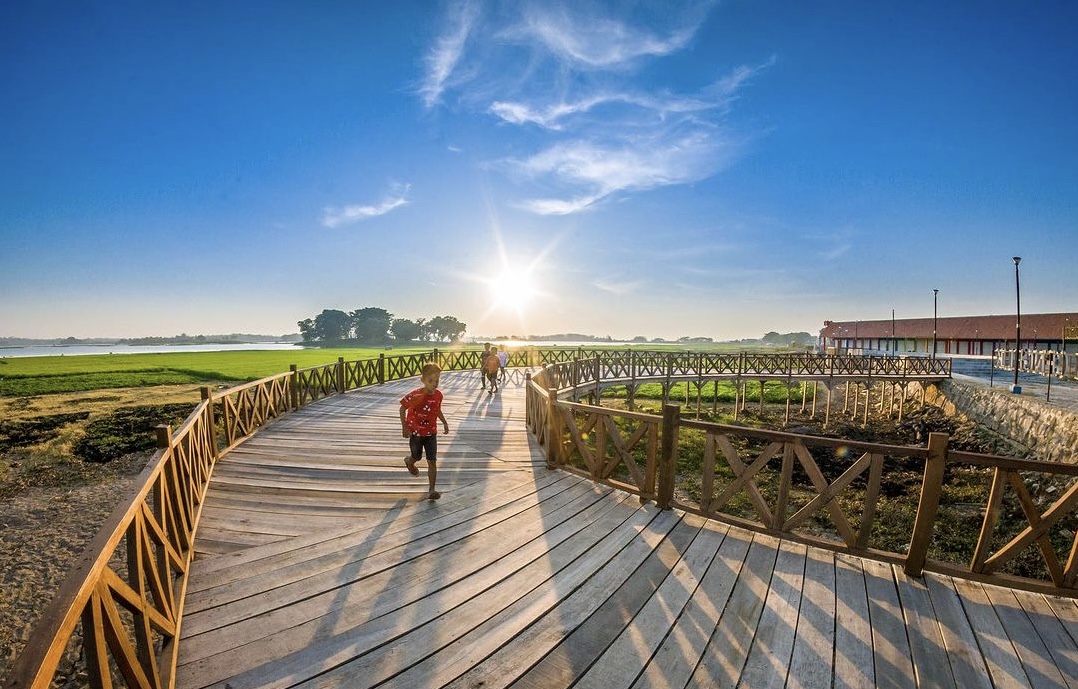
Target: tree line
<point>376,326</point>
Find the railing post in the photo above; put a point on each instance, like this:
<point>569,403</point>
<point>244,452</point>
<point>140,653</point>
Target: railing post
<point>381,368</point>
<point>207,396</point>
<point>668,455</point>
<point>669,372</point>
<point>164,436</point>
<point>529,418</point>
<point>293,385</point>
<point>598,377</point>
<point>931,487</point>
<point>339,370</point>
<point>553,434</point>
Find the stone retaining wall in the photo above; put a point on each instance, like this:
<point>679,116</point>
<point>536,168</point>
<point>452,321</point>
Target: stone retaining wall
<point>1049,432</point>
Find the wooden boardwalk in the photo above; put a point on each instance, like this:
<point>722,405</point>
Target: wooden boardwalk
<point>323,565</point>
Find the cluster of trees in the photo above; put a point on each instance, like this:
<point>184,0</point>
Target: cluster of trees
<point>792,339</point>
<point>376,326</point>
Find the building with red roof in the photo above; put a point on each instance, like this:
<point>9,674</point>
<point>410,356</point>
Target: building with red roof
<point>954,336</point>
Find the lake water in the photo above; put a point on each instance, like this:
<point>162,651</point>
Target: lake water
<point>82,349</point>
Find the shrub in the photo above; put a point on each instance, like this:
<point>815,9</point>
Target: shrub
<point>126,430</point>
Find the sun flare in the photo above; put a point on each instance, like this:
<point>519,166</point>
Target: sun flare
<point>512,290</point>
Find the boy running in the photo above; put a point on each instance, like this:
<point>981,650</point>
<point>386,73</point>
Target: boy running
<point>421,410</point>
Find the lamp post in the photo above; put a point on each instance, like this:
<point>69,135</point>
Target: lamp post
<point>935,293</point>
<point>1016,388</point>
<point>894,344</point>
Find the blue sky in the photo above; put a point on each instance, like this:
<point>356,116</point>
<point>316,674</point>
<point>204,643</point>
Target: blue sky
<point>663,169</point>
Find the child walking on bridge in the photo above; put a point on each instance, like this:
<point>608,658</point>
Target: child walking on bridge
<point>420,412</point>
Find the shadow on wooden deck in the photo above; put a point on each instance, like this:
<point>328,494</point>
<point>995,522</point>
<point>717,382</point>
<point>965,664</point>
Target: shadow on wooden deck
<point>321,564</point>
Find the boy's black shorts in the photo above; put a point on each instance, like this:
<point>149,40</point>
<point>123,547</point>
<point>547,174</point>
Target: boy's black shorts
<point>420,443</point>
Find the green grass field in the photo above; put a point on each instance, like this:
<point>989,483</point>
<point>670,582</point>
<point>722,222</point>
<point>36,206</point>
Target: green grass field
<point>44,375</point>
<point>28,376</point>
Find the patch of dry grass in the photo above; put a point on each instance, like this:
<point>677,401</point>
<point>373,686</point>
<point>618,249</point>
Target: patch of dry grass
<point>51,462</point>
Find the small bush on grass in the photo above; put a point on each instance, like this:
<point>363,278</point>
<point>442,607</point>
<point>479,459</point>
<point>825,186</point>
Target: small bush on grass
<point>23,432</point>
<point>126,430</point>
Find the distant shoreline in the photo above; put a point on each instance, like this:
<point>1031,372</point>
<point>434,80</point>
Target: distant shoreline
<point>20,351</point>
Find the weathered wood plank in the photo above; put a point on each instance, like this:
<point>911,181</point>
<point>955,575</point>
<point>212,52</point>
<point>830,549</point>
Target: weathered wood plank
<point>854,664</point>
<point>890,646</point>
<point>452,509</point>
<point>772,646</point>
<point>812,661</point>
<point>581,647</point>
<point>923,632</point>
<point>625,658</point>
<point>967,664</point>
<point>725,655</point>
<point>1057,641</point>
<point>677,657</point>
<point>993,639</point>
<point>1036,660</point>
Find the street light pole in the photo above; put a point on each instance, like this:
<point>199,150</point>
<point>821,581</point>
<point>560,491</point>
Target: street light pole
<point>1015,388</point>
<point>935,293</point>
<point>894,344</point>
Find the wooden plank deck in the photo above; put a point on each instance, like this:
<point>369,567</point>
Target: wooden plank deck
<point>321,564</point>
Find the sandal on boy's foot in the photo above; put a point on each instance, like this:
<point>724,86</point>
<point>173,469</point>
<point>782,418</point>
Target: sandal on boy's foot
<point>410,463</point>
<point>434,495</point>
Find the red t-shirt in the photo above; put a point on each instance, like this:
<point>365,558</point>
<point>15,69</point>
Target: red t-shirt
<point>422,415</point>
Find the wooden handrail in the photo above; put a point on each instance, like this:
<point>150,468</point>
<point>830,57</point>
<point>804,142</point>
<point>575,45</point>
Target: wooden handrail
<point>587,431</point>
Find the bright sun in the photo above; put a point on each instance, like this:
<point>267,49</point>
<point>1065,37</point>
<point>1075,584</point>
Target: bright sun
<point>512,290</point>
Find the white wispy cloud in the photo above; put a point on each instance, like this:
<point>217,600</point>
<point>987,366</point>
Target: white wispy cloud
<point>618,287</point>
<point>446,53</point>
<point>600,170</point>
<point>553,116</point>
<point>569,71</point>
<point>346,215</point>
<point>598,41</point>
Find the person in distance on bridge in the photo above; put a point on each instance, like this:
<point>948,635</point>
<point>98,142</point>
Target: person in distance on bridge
<point>483,363</point>
<point>421,410</point>
<point>503,361</point>
<point>490,370</point>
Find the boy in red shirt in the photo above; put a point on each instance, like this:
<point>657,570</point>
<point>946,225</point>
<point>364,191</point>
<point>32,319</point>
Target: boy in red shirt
<point>421,410</point>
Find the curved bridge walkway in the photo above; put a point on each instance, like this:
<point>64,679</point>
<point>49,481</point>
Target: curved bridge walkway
<point>323,565</point>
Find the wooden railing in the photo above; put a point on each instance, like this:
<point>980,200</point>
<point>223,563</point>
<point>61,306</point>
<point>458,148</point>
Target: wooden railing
<point>1043,362</point>
<point>618,367</point>
<point>822,491</point>
<point>121,606</point>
